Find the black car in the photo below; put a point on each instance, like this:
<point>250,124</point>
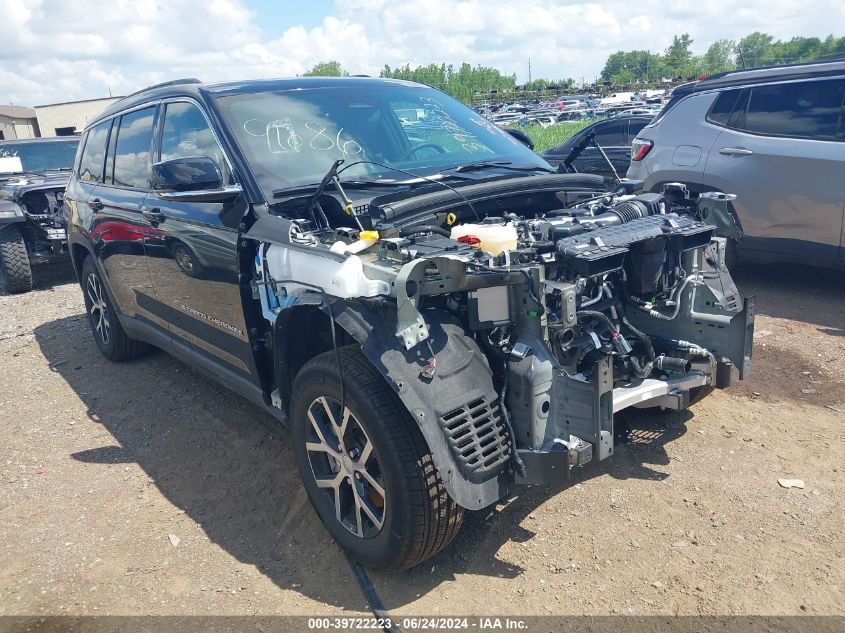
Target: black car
<point>33,175</point>
<point>614,135</point>
<point>438,314</point>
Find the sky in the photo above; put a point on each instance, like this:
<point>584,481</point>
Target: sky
<point>63,50</point>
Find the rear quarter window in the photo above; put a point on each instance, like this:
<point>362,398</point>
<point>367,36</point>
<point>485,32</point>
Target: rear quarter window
<point>93,157</point>
<point>722,108</point>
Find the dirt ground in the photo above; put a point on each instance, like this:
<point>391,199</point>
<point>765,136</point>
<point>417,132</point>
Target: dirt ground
<point>144,488</point>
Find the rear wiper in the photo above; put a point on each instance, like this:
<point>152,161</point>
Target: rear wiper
<point>499,164</point>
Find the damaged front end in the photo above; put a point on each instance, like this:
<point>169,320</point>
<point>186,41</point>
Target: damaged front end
<point>35,204</point>
<point>514,339</point>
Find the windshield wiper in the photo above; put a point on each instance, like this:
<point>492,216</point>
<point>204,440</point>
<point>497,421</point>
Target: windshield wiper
<point>363,183</point>
<point>499,164</point>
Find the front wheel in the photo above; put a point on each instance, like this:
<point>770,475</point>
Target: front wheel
<point>15,272</point>
<point>366,467</point>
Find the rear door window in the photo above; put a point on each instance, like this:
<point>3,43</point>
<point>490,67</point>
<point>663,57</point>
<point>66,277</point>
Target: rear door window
<point>807,109</point>
<point>611,134</point>
<point>132,150</point>
<point>94,153</point>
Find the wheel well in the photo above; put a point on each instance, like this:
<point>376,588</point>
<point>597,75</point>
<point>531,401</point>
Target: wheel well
<point>300,334</point>
<point>78,253</point>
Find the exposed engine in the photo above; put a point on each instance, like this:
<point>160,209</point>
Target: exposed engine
<point>619,300</point>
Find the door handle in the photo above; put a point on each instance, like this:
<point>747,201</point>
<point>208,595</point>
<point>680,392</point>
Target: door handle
<point>153,216</point>
<point>95,205</point>
<point>735,151</point>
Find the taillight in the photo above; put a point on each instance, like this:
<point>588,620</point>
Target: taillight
<point>640,148</point>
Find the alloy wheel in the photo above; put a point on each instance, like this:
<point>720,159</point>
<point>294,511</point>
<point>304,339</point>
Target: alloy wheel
<point>345,466</point>
<point>98,310</point>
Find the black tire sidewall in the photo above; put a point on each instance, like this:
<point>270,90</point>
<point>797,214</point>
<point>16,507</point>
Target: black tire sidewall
<point>384,549</point>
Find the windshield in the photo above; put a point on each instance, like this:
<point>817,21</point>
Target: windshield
<point>39,155</point>
<point>292,137</point>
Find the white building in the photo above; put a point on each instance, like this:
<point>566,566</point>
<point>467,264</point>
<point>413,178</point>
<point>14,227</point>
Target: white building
<point>17,122</point>
<point>65,119</point>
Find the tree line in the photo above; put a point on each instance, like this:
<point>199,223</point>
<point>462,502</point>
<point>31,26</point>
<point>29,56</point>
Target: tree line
<point>623,68</point>
<point>462,82</point>
<point>679,62</point>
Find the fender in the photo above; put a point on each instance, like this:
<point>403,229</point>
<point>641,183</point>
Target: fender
<point>11,212</point>
<point>456,409</point>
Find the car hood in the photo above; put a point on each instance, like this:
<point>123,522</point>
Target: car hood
<point>28,181</point>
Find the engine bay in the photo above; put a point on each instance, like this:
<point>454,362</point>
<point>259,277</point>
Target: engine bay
<point>611,300</point>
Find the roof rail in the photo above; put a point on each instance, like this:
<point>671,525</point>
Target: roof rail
<point>820,60</point>
<point>174,82</point>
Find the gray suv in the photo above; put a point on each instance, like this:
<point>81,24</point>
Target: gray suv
<point>773,136</point>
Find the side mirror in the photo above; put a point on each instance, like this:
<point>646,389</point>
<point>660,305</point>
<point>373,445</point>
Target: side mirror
<point>520,136</point>
<point>192,173</point>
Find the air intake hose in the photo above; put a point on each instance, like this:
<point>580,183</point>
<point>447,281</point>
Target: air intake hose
<point>618,214</point>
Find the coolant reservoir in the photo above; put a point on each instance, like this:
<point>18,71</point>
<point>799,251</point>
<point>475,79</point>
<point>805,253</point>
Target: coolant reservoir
<point>339,278</point>
<point>495,238</point>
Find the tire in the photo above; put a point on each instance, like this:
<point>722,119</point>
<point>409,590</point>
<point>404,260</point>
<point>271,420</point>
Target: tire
<point>416,515</point>
<point>105,326</point>
<point>15,272</point>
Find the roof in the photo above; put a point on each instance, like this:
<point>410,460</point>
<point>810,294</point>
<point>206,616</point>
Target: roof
<point>17,112</point>
<point>198,89</point>
<point>827,67</point>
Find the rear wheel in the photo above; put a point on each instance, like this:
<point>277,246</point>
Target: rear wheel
<point>366,467</point>
<point>105,326</point>
<point>15,272</point>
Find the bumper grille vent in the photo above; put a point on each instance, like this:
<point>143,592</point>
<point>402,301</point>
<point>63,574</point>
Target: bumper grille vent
<point>478,438</point>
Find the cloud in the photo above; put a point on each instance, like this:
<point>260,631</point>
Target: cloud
<point>55,50</point>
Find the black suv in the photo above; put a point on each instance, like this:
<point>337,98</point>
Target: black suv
<point>437,313</point>
<point>33,175</point>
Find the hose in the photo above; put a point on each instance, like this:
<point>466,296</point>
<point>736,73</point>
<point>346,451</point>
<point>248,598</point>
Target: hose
<point>641,371</point>
<point>594,300</point>
<point>601,316</point>
<point>676,298</point>
<point>426,228</point>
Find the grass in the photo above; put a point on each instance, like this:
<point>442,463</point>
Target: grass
<point>552,136</point>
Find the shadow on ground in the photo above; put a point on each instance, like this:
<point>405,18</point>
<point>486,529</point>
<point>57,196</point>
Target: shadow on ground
<point>230,467</point>
<point>46,276</point>
<point>812,295</point>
